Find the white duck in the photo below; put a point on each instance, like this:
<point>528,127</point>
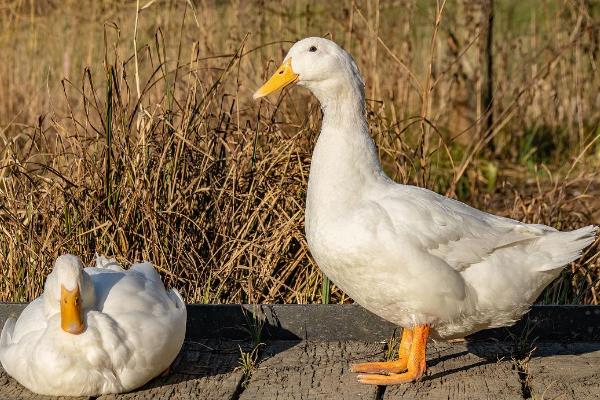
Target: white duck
<point>95,330</point>
<point>409,255</point>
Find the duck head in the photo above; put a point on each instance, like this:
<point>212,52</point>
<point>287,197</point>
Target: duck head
<point>321,66</point>
<point>69,290</point>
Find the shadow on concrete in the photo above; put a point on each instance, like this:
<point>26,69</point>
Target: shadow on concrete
<point>215,339</point>
<point>544,331</point>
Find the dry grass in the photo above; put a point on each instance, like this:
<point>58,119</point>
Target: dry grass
<point>163,155</point>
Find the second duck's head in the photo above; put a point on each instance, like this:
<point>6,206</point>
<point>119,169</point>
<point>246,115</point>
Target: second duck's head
<point>321,66</point>
<point>69,290</point>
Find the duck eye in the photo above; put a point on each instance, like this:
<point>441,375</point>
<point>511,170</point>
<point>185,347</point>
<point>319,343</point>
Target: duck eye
<point>312,49</point>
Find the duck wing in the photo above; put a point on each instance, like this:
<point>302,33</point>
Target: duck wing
<point>462,236</point>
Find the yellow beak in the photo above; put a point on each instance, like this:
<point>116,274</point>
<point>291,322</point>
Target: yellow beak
<point>71,318</point>
<point>281,78</point>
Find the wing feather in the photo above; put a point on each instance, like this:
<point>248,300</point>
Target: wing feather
<point>456,233</point>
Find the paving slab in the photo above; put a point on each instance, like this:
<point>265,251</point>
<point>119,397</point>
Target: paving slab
<point>463,371</point>
<point>565,371</point>
<point>310,370</point>
<point>205,370</point>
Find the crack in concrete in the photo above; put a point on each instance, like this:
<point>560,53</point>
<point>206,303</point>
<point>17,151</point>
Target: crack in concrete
<point>380,392</point>
<point>256,355</point>
<point>521,355</point>
<point>239,389</point>
<point>524,379</point>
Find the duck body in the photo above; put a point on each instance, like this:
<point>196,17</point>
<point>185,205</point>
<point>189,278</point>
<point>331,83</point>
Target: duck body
<point>134,329</point>
<point>406,253</point>
<point>414,257</point>
<point>410,255</point>
<point>430,264</point>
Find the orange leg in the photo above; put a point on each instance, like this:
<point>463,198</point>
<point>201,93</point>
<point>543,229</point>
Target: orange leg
<point>416,362</point>
<point>389,366</point>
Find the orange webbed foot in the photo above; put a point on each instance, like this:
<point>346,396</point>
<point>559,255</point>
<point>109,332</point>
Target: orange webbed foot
<point>389,367</point>
<point>382,367</point>
<point>390,379</point>
<point>414,343</point>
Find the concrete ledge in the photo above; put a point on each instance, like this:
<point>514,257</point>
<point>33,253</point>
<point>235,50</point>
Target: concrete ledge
<point>564,323</point>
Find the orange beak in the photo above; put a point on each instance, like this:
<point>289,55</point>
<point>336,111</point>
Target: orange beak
<point>284,76</point>
<point>71,315</point>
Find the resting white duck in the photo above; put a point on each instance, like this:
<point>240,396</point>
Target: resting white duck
<point>418,259</point>
<point>95,330</point>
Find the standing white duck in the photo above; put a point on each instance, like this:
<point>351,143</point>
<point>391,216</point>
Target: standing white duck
<point>409,255</point>
<point>95,330</point>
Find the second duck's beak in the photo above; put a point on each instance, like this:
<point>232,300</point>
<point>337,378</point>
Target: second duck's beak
<point>284,76</point>
<point>71,316</point>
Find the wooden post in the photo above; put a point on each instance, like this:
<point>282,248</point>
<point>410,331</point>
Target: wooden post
<point>487,67</point>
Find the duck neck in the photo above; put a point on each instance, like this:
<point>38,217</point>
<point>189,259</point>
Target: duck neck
<point>344,161</point>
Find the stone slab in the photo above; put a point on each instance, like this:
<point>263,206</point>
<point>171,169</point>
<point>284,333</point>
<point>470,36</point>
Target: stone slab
<point>463,371</point>
<point>565,371</point>
<point>312,370</point>
<point>290,370</point>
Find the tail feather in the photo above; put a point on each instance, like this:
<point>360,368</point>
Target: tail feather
<point>108,263</point>
<point>148,270</point>
<point>176,298</point>
<point>7,331</point>
<point>564,247</point>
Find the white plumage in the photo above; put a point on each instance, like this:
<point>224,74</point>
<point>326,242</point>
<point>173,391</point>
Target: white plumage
<point>405,253</point>
<point>134,329</point>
